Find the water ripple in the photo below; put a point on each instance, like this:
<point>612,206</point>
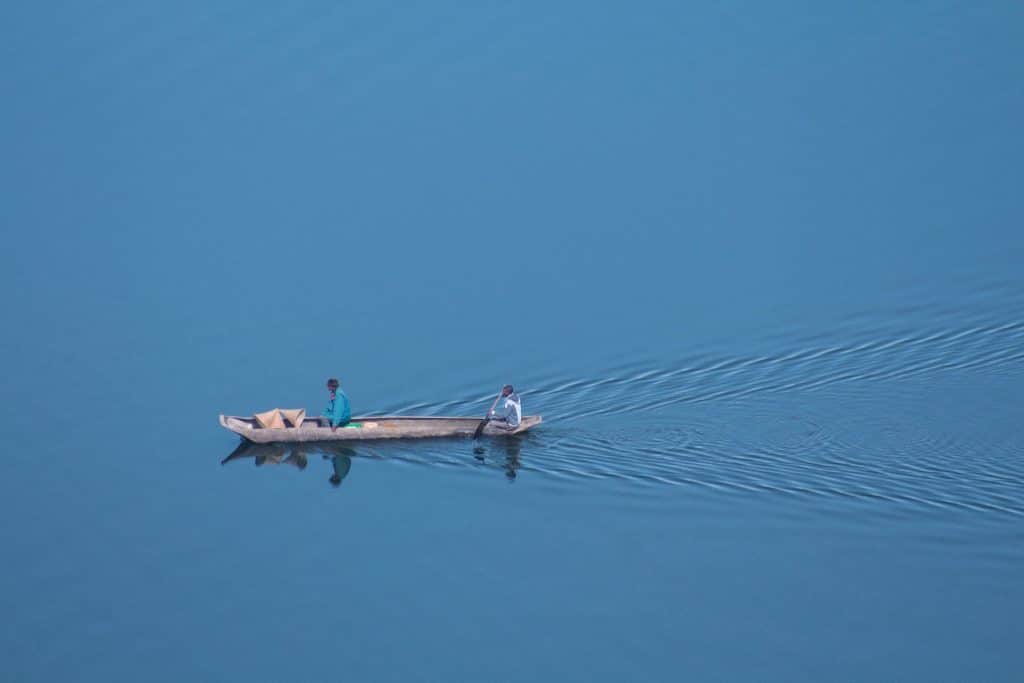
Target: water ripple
<point>863,414</point>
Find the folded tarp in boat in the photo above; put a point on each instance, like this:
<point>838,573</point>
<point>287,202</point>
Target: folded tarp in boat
<point>294,416</point>
<point>270,419</point>
<point>282,418</point>
<point>275,419</point>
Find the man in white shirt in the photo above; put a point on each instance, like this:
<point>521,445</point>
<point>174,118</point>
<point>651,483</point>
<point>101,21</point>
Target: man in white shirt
<point>510,413</point>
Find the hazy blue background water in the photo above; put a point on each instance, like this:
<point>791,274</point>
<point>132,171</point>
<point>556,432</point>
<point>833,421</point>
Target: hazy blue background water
<point>757,265</point>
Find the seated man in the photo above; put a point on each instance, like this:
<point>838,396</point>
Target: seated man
<point>337,412</point>
<point>510,413</point>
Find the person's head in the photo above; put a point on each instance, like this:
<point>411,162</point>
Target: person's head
<point>332,385</point>
<point>335,480</point>
<point>507,390</point>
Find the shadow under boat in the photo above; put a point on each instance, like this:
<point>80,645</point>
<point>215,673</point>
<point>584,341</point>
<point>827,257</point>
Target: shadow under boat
<point>508,456</point>
<point>503,454</point>
<point>297,455</point>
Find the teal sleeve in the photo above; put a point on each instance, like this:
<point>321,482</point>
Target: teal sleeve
<point>342,411</point>
<point>346,409</point>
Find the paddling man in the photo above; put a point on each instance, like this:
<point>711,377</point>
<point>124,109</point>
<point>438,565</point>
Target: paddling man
<point>337,411</point>
<point>510,413</point>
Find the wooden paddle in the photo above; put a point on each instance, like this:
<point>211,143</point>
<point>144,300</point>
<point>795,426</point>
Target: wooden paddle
<point>487,418</point>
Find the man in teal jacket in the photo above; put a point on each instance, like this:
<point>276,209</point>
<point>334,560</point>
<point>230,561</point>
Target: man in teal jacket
<point>337,411</point>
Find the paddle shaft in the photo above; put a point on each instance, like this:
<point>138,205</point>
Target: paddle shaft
<point>487,418</point>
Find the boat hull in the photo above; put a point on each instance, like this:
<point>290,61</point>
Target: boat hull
<point>372,428</point>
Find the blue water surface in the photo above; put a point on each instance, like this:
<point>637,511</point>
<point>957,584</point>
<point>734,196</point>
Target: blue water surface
<point>757,265</point>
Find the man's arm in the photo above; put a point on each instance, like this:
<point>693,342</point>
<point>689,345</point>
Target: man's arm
<point>344,408</point>
<point>335,412</point>
<point>502,413</point>
<point>342,412</point>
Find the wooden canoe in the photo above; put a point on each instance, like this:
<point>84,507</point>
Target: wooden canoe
<point>371,427</point>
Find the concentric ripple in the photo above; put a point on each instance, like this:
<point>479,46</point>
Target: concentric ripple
<point>916,408</point>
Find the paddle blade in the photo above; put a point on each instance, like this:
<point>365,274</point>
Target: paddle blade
<point>487,418</point>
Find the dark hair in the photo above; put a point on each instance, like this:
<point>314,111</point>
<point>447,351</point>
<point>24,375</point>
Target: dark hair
<point>509,387</point>
<point>332,383</point>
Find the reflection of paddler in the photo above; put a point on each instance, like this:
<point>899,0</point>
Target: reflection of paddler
<point>341,461</point>
<point>513,448</point>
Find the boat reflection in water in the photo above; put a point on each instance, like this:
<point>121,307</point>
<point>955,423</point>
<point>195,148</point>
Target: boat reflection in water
<point>512,447</point>
<point>296,455</point>
<point>498,454</point>
<point>342,463</point>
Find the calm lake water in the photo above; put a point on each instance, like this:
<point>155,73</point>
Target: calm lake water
<point>758,268</point>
